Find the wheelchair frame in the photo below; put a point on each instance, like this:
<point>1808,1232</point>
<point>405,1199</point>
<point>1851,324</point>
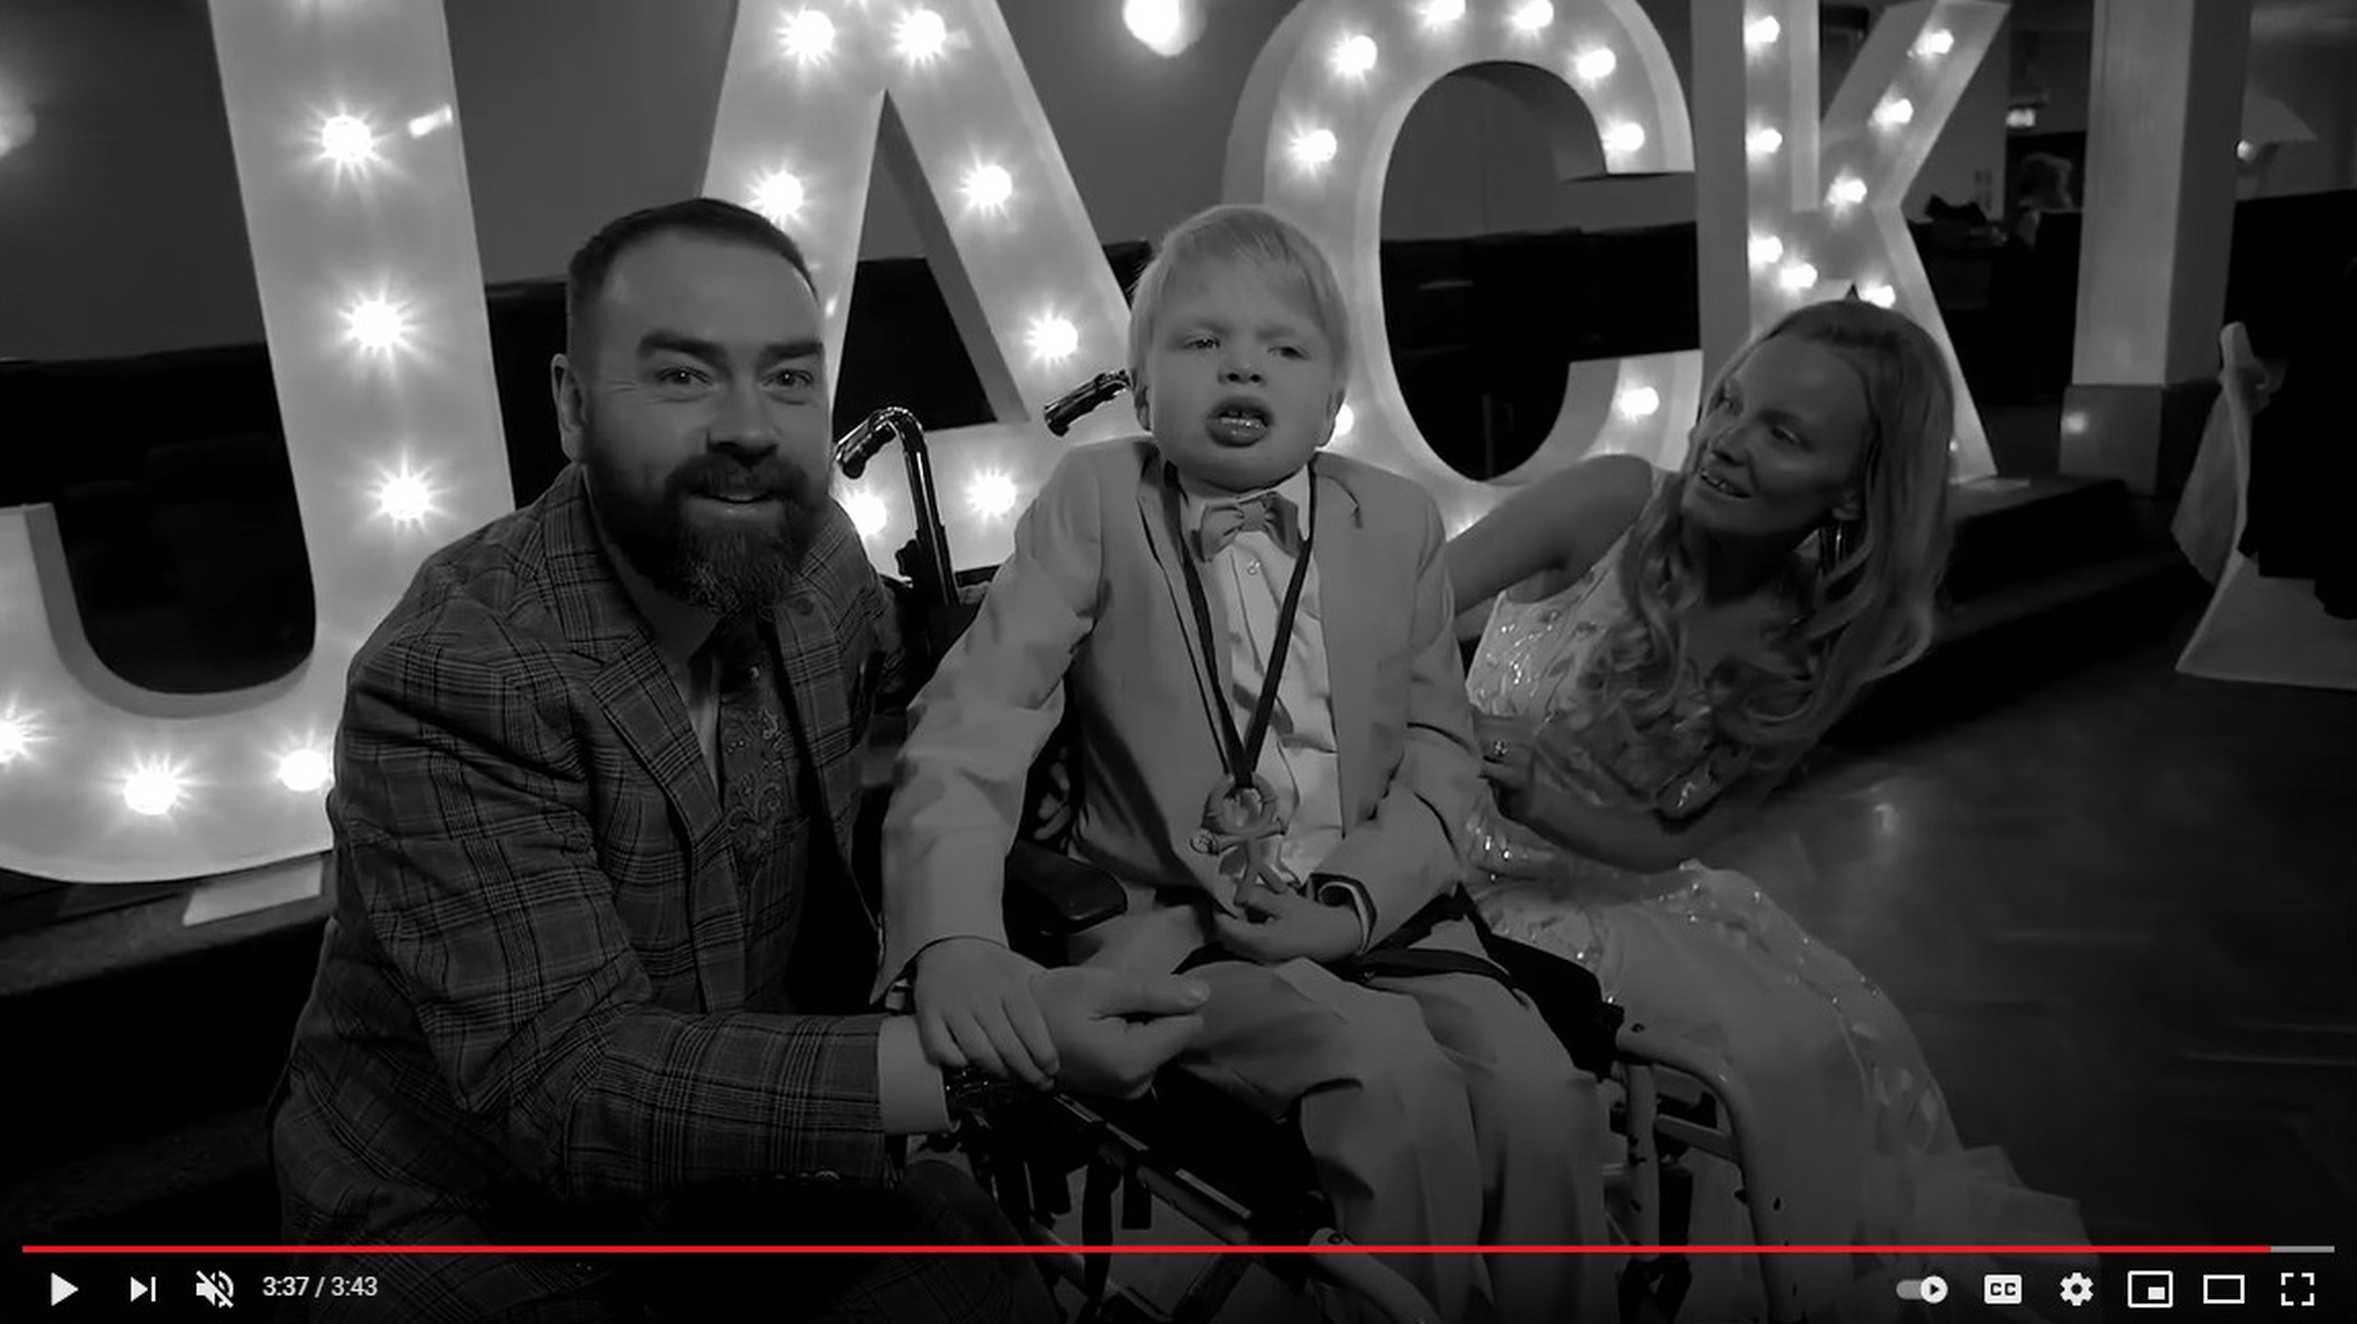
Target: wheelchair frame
<point>1054,896</point>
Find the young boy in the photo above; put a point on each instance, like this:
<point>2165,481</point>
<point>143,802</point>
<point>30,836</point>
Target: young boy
<point>1275,756</point>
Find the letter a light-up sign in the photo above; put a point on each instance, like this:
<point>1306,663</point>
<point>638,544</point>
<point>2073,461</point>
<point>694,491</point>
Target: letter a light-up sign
<point>1790,210</point>
<point>1313,138</point>
<point>1038,308</point>
<point>363,237</point>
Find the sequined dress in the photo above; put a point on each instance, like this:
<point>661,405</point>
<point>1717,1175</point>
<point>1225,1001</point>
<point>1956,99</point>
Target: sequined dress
<point>1864,1150</point>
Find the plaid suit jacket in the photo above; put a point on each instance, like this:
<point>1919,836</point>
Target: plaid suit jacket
<point>529,1008</point>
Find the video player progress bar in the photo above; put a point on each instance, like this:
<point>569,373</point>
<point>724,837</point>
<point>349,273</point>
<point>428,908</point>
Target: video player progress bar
<point>1210,1248</point>
<point>1189,1249</point>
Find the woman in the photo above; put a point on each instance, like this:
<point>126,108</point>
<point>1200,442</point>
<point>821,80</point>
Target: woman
<point>1666,647</point>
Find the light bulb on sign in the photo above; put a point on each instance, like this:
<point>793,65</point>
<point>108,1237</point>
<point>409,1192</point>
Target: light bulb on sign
<point>1638,402</point>
<point>1763,142</point>
<point>1797,277</point>
<point>779,195</point>
<point>347,142</point>
<point>1052,338</point>
<point>305,770</point>
<point>19,732</point>
<point>807,37</point>
<point>1596,65</point>
<point>988,188</point>
<point>1761,33</point>
<point>1314,147</point>
<point>421,125</point>
<point>1766,250</point>
<point>1624,138</point>
<point>1847,191</point>
<point>404,496</point>
<point>1441,13</point>
<point>920,36</point>
<point>1533,18</point>
<point>378,324</point>
<point>867,511</point>
<point>1165,27</point>
<point>1894,113</point>
<point>1934,43</point>
<point>1878,293</point>
<point>991,494</point>
<point>153,788</point>
<point>1354,56</point>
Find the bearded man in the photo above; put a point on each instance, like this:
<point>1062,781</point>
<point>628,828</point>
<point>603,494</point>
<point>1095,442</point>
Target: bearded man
<point>598,969</point>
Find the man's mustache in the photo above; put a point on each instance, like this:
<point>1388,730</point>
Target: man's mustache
<point>720,476</point>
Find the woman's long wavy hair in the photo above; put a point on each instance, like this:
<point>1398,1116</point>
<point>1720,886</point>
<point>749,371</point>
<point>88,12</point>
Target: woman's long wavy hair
<point>1861,590</point>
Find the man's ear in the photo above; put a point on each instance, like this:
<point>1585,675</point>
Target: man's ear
<point>564,387</point>
<point>1137,400</point>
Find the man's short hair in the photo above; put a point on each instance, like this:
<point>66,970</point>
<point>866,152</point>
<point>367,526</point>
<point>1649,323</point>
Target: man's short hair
<point>1247,234</point>
<point>593,262</point>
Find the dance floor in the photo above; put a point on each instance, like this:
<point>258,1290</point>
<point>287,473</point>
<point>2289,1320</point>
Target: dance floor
<point>2118,905</point>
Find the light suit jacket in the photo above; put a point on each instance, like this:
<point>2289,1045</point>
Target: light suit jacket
<point>1091,610</point>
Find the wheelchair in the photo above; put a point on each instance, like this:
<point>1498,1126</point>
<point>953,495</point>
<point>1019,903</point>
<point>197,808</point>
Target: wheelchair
<point>1242,1179</point>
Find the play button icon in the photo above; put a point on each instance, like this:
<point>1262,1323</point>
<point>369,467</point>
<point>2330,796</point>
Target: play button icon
<point>60,1289</point>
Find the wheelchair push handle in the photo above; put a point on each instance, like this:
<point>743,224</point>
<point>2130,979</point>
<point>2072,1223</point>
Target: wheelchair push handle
<point>925,560</point>
<point>1070,407</point>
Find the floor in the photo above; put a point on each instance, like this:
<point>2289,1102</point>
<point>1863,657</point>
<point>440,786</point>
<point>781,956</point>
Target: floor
<point>2118,907</point>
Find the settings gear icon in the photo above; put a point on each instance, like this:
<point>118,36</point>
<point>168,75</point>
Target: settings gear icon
<point>2077,1290</point>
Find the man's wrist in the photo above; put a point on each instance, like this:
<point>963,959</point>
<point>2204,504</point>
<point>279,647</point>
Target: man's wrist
<point>909,1089</point>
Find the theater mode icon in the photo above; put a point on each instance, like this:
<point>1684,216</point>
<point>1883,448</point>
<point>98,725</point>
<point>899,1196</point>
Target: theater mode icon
<point>2222,1289</point>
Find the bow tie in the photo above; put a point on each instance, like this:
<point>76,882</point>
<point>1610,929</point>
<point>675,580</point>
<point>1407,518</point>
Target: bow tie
<point>1267,513</point>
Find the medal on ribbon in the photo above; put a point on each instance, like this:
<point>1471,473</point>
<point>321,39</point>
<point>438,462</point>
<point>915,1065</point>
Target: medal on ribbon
<point>1244,817</point>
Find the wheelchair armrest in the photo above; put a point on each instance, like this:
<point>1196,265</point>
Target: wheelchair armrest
<point>1049,894</point>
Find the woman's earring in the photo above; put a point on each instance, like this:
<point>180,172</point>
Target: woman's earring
<point>1836,539</point>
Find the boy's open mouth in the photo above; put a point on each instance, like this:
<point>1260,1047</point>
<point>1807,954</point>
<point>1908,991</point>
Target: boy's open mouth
<point>1238,421</point>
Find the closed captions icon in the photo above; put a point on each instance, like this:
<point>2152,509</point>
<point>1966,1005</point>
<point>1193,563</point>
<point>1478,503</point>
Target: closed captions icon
<point>2001,1289</point>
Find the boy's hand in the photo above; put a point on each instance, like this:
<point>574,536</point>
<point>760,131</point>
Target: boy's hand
<point>973,1003</point>
<point>1283,925</point>
<point>1117,1027</point>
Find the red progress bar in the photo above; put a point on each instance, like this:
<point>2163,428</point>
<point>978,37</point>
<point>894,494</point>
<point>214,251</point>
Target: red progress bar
<point>1153,1249</point>
<point>1149,1248</point>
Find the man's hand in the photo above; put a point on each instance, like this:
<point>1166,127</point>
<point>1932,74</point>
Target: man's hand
<point>1115,1028</point>
<point>1282,925</point>
<point>974,1007</point>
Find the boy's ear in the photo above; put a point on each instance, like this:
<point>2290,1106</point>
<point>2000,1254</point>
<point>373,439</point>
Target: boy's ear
<point>564,387</point>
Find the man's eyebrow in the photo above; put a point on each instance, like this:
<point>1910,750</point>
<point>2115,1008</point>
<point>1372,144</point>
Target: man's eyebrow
<point>660,342</point>
<point>673,342</point>
<point>779,351</point>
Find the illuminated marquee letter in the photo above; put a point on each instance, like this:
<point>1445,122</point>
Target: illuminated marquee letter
<point>363,236</point>
<point>1790,210</point>
<point>1313,139</point>
<point>1037,305</point>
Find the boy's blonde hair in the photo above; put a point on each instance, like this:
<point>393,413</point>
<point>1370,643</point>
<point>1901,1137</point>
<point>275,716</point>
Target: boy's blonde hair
<point>1241,233</point>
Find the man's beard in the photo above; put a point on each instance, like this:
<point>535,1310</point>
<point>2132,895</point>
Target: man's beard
<point>734,567</point>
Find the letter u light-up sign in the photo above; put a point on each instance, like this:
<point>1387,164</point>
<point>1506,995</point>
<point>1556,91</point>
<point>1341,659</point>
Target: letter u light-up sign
<point>363,237</point>
<point>355,193</point>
